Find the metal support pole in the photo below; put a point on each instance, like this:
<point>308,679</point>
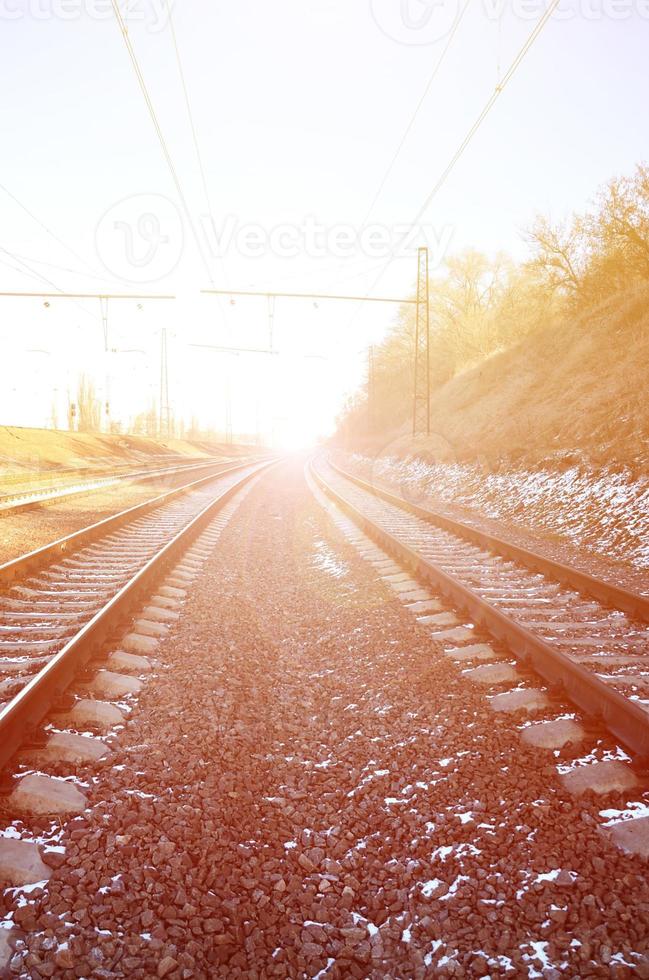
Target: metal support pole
<point>164,410</point>
<point>103,305</point>
<point>421,387</point>
<point>371,389</point>
<point>228,410</point>
<point>271,321</point>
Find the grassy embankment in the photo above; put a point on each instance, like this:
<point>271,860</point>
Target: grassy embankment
<point>574,391</point>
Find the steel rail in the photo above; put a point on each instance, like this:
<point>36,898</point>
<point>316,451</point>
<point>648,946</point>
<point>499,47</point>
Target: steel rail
<point>27,709</point>
<point>20,484</point>
<point>16,568</point>
<point>605,592</point>
<point>73,472</point>
<point>25,500</point>
<point>624,719</point>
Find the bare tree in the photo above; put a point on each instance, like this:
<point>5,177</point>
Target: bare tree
<point>558,254</point>
<point>482,305</point>
<point>88,406</point>
<point>622,222</point>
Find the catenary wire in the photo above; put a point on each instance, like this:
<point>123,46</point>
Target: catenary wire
<point>413,118</point>
<point>441,180</point>
<point>49,231</point>
<point>163,143</point>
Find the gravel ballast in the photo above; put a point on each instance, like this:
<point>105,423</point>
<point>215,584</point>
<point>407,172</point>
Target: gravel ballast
<point>308,788</point>
<point>37,526</point>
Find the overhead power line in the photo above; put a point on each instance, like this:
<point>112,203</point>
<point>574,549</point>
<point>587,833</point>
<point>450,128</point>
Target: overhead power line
<point>49,231</point>
<point>236,350</point>
<point>197,149</point>
<point>190,114</point>
<point>509,74</point>
<point>413,118</point>
<point>499,89</point>
<point>62,295</point>
<point>160,135</point>
<point>62,268</point>
<point>15,268</point>
<point>272,295</point>
<point>35,274</point>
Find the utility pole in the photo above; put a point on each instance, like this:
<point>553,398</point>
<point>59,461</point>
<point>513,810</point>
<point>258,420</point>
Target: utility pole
<point>228,410</point>
<point>164,409</point>
<point>421,387</point>
<point>371,389</point>
<point>103,308</point>
<point>103,305</point>
<point>271,321</point>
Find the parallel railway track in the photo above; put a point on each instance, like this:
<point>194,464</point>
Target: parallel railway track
<point>587,638</point>
<point>51,490</point>
<point>59,604</point>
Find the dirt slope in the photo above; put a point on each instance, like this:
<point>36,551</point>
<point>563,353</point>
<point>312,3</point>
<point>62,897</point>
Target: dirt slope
<point>29,450</point>
<point>575,391</point>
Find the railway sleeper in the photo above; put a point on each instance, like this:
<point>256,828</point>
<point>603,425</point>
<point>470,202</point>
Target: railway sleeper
<point>562,736</point>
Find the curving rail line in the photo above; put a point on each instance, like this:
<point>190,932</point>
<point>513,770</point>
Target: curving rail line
<point>59,604</point>
<point>586,637</point>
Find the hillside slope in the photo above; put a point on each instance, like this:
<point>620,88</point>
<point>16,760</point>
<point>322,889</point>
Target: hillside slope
<point>25,451</point>
<point>573,392</point>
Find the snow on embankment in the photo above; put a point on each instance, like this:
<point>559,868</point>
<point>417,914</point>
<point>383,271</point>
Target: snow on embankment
<point>598,511</point>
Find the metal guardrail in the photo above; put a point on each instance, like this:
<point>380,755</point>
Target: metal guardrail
<point>625,720</point>
<point>24,712</point>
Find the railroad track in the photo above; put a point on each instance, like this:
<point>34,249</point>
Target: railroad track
<point>25,498</point>
<point>59,604</point>
<point>587,639</point>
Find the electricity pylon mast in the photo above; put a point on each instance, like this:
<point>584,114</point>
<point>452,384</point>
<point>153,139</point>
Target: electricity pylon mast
<point>371,389</point>
<point>421,392</point>
<point>164,408</point>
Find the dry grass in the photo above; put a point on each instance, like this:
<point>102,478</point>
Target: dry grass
<point>575,390</point>
<point>29,450</point>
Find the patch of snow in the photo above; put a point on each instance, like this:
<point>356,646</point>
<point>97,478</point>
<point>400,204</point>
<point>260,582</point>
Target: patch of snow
<point>454,887</point>
<point>428,958</point>
<point>428,887</point>
<point>325,970</point>
<point>633,811</point>
<point>553,875</point>
<point>609,755</point>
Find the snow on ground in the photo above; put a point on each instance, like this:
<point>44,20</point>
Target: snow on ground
<point>603,511</point>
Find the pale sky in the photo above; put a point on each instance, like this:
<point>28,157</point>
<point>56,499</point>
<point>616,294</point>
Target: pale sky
<point>298,108</point>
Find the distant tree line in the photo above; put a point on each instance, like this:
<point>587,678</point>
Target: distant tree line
<point>481,305</point>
